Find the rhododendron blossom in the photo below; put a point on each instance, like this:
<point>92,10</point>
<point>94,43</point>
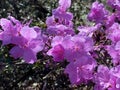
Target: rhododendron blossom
<point>81,70</point>
<point>107,78</point>
<point>115,4</point>
<point>98,13</point>
<point>25,38</point>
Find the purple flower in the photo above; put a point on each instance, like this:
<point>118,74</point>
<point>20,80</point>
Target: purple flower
<point>60,23</point>
<point>117,15</point>
<point>9,31</point>
<point>81,70</point>
<point>30,45</point>
<point>115,78</point>
<point>114,54</point>
<point>107,78</point>
<point>113,32</point>
<point>109,21</point>
<point>73,46</point>
<point>77,46</point>
<point>115,4</point>
<point>102,78</point>
<point>97,13</point>
<point>28,41</point>
<point>50,21</point>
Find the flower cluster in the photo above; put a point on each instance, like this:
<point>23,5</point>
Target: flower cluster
<point>60,23</point>
<point>73,48</point>
<point>63,43</point>
<point>108,78</point>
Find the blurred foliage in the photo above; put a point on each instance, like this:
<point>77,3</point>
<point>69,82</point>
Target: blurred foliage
<point>14,74</point>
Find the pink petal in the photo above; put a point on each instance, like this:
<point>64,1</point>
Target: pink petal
<point>28,33</point>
